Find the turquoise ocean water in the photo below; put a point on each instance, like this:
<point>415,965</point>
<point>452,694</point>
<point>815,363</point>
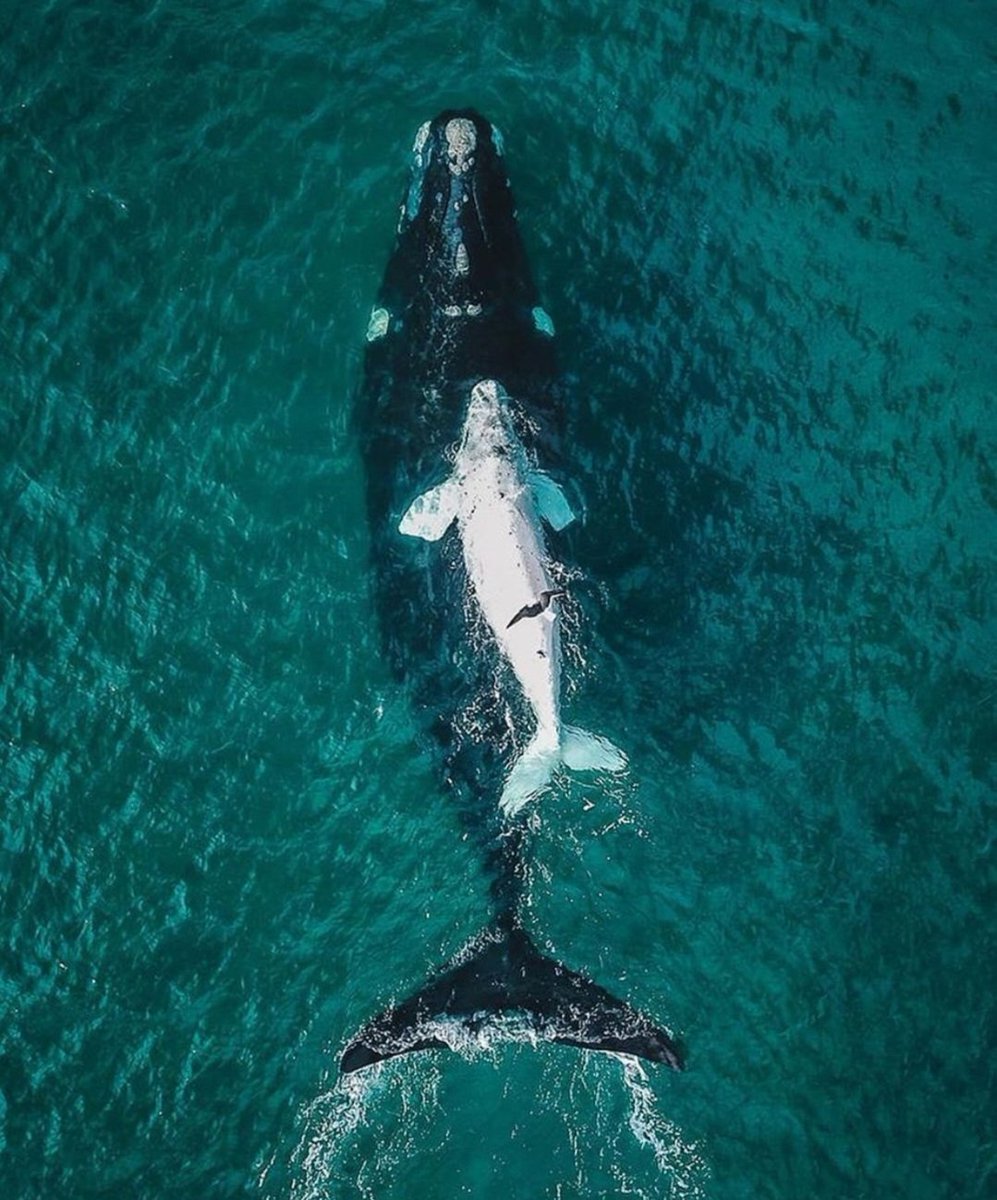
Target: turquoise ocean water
<point>766,234</point>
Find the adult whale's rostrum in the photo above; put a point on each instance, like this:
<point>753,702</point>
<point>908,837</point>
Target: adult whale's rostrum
<point>458,305</point>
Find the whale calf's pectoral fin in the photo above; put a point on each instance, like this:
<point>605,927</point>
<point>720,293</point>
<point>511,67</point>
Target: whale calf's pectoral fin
<point>552,504</point>
<point>429,516</point>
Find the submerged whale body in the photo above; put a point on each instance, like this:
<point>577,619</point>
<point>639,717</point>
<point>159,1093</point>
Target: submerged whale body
<point>457,317</point>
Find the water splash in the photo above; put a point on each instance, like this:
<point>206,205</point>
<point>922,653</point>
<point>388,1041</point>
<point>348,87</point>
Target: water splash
<point>330,1155</point>
<point>680,1160</point>
<point>362,1130</point>
<point>329,1121</point>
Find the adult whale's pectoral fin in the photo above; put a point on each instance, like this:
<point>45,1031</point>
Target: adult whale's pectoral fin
<point>552,504</point>
<point>429,516</point>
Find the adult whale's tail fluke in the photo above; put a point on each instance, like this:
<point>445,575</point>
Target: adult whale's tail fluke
<point>503,986</point>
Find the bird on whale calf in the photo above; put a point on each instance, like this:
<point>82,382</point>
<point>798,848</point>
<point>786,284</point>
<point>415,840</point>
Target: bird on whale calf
<point>541,606</point>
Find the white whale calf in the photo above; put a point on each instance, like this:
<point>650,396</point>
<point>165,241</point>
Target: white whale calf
<point>497,500</point>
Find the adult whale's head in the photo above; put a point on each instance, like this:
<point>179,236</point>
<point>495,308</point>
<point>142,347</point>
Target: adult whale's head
<point>459,211</point>
<point>457,306</point>
<point>459,253</point>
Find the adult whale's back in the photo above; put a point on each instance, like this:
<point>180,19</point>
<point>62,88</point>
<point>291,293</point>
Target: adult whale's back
<point>457,305</point>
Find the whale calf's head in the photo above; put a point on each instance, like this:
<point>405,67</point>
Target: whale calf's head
<point>488,425</point>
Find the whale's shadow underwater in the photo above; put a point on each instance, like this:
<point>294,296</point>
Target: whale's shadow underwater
<point>458,306</point>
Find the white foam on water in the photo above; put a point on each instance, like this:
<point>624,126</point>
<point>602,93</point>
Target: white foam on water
<point>324,1163</point>
<point>680,1160</point>
<point>328,1122</point>
<point>599,1128</point>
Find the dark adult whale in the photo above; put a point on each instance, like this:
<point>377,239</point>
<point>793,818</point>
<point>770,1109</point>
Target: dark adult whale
<point>458,305</point>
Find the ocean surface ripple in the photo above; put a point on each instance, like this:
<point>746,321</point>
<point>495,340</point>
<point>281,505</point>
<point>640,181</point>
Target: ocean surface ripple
<point>765,233</point>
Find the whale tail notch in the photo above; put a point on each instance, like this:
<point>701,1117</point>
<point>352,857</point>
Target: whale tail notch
<point>577,749</point>
<point>504,987</point>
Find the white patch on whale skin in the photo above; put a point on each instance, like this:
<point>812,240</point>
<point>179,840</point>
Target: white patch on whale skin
<point>377,326</point>
<point>469,310</point>
<point>498,501</point>
<point>421,137</point>
<point>413,199</point>
<point>462,139</point>
<point>462,264</point>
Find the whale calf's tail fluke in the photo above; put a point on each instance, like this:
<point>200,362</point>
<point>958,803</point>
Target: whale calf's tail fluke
<point>505,986</point>
<point>577,749</point>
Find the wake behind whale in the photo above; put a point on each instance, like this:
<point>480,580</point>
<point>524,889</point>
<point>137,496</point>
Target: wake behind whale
<point>460,352</point>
